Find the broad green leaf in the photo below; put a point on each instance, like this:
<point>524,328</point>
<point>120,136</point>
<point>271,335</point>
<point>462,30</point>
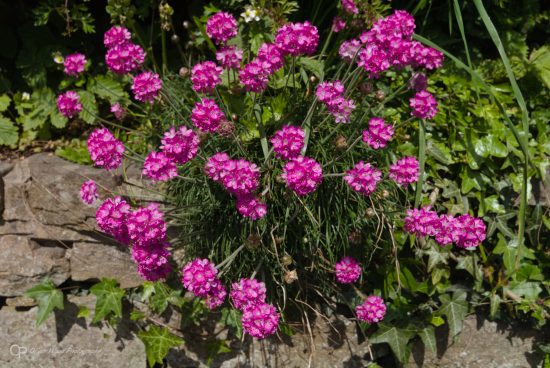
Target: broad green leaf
<point>83,312</point>
<point>107,88</point>
<point>494,305</point>
<point>109,299</point>
<point>455,309</point>
<point>493,205</point>
<point>437,321</point>
<point>48,297</point>
<point>540,60</point>
<point>215,347</point>
<point>9,134</point>
<point>312,65</point>
<point>158,341</point>
<point>89,107</point>
<point>75,151</point>
<point>35,113</point>
<point>528,290</point>
<point>428,338</point>
<point>4,102</point>
<point>396,338</point>
<point>58,120</point>
<point>509,251</point>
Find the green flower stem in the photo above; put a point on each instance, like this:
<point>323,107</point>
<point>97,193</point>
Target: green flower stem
<point>263,138</point>
<point>164,53</point>
<point>421,162</point>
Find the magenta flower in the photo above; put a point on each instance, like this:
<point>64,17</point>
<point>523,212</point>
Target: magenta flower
<point>349,7</point>
<point>116,35</point>
<point>199,277</point>
<point>372,310</point>
<point>105,150</point>
<point>180,145</point>
<point>159,167</point>
<point>349,49</point>
<point>207,116</point>
<point>111,218</point>
<point>405,171</point>
<point>152,260</point>
<point>221,27</point>
<point>146,86</point>
<point>254,76</point>
<point>378,134</point>
<point>297,39</point>
<point>422,222</point>
<point>423,105</point>
<point>363,178</point>
<point>302,175</point>
<point>338,24</point>
<point>206,76</point>
<point>247,292</point>
<point>240,176</point>
<point>124,58</point>
<point>250,206</point>
<point>288,142</point>
<point>74,64</point>
<point>229,57</point>
<point>271,58</point>
<point>214,167</point>
<point>146,225</point>
<point>418,82</point>
<point>260,320</point>
<point>448,230</point>
<point>88,192</point>
<point>69,104</point>
<point>347,270</point>
<point>118,111</point>
<point>216,296</point>
<point>473,232</point>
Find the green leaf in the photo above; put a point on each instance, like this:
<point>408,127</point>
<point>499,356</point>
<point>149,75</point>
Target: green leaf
<point>58,120</point>
<point>109,299</point>
<point>437,321</point>
<point>48,297</point>
<point>75,151</point>
<point>9,133</point>
<point>428,338</point>
<point>396,338</point>
<point>455,309</point>
<point>83,312</point>
<point>494,305</point>
<point>107,88</point>
<point>158,341</point>
<point>4,102</point>
<point>312,65</point>
<point>528,290</point>
<point>89,107</point>
<point>215,347</point>
<point>540,61</point>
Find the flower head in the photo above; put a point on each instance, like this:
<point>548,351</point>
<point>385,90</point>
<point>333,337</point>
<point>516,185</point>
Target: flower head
<point>347,270</point>
<point>146,225</point>
<point>405,171</point>
<point>297,39</point>
<point>152,260</point>
<point>180,145</point>
<point>338,24</point>
<point>288,142</point>
<point>473,232</point>
<point>229,57</point>
<point>349,49</point>
<point>116,35</point>
<point>378,134</point>
<point>146,86</point>
<point>118,111</point>
<point>124,58</point>
<point>247,292</point>
<point>240,176</point>
<point>363,178</point>
<point>260,320</point>
<point>69,104</point>
<point>74,64</point>
<point>111,218</point>
<point>205,76</point>
<point>105,150</point>
<point>221,27</point>
<point>88,192</point>
<point>214,167</point>
<point>216,296</point>
<point>349,7</point>
<point>271,58</point>
<point>254,76</point>
<point>199,277</point>
<point>423,105</point>
<point>207,116</point>
<point>302,175</point>
<point>422,222</point>
<point>372,310</point>
<point>159,167</point>
<point>250,206</point>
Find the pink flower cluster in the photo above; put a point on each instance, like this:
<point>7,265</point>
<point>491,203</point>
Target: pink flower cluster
<point>349,7</point>
<point>338,24</point>
<point>118,111</point>
<point>372,310</point>
<point>146,225</point>
<point>271,57</point>
<point>347,270</point>
<point>378,134</point>
<point>88,192</point>
<point>405,171</point>
<point>247,292</point>
<point>229,57</point>
<point>152,260</point>
<point>465,231</point>
<point>111,218</point>
<point>423,105</point>
<point>297,39</point>
<point>69,104</point>
<point>207,116</point>
<point>332,95</point>
<point>146,86</point>
<point>221,27</point>
<point>105,150</point>
<point>363,178</point>
<point>200,278</point>
<point>122,55</point>
<point>159,167</point>
<point>240,178</point>
<point>124,58</point>
<point>260,320</point>
<point>74,64</point>
<point>288,142</point>
<point>349,49</point>
<point>389,43</point>
<point>255,75</point>
<point>206,76</point>
<point>180,145</point>
<point>302,175</point>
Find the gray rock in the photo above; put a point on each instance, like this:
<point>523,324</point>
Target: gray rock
<point>24,263</point>
<point>20,301</point>
<point>92,261</point>
<point>66,341</point>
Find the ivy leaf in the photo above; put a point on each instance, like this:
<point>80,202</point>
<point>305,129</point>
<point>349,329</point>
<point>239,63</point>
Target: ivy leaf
<point>89,107</point>
<point>215,347</point>
<point>9,134</point>
<point>396,338</point>
<point>83,312</point>
<point>528,290</point>
<point>455,309</point>
<point>428,338</point>
<point>158,341</point>
<point>109,299</point>
<point>48,297</point>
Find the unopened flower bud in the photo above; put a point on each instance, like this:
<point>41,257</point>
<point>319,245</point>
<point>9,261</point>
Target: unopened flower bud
<point>226,128</point>
<point>291,276</point>
<point>184,72</point>
<point>286,260</point>
<point>385,194</point>
<point>175,39</point>
<point>234,117</point>
<point>370,213</point>
<point>313,79</point>
<point>341,143</point>
<point>380,95</point>
<point>366,88</point>
<point>185,24</point>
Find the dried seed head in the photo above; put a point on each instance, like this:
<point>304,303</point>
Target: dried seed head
<point>226,128</point>
<point>370,213</point>
<point>253,241</point>
<point>385,194</point>
<point>341,143</point>
<point>291,276</point>
<point>380,95</point>
<point>184,72</point>
<point>355,237</point>
<point>366,88</point>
